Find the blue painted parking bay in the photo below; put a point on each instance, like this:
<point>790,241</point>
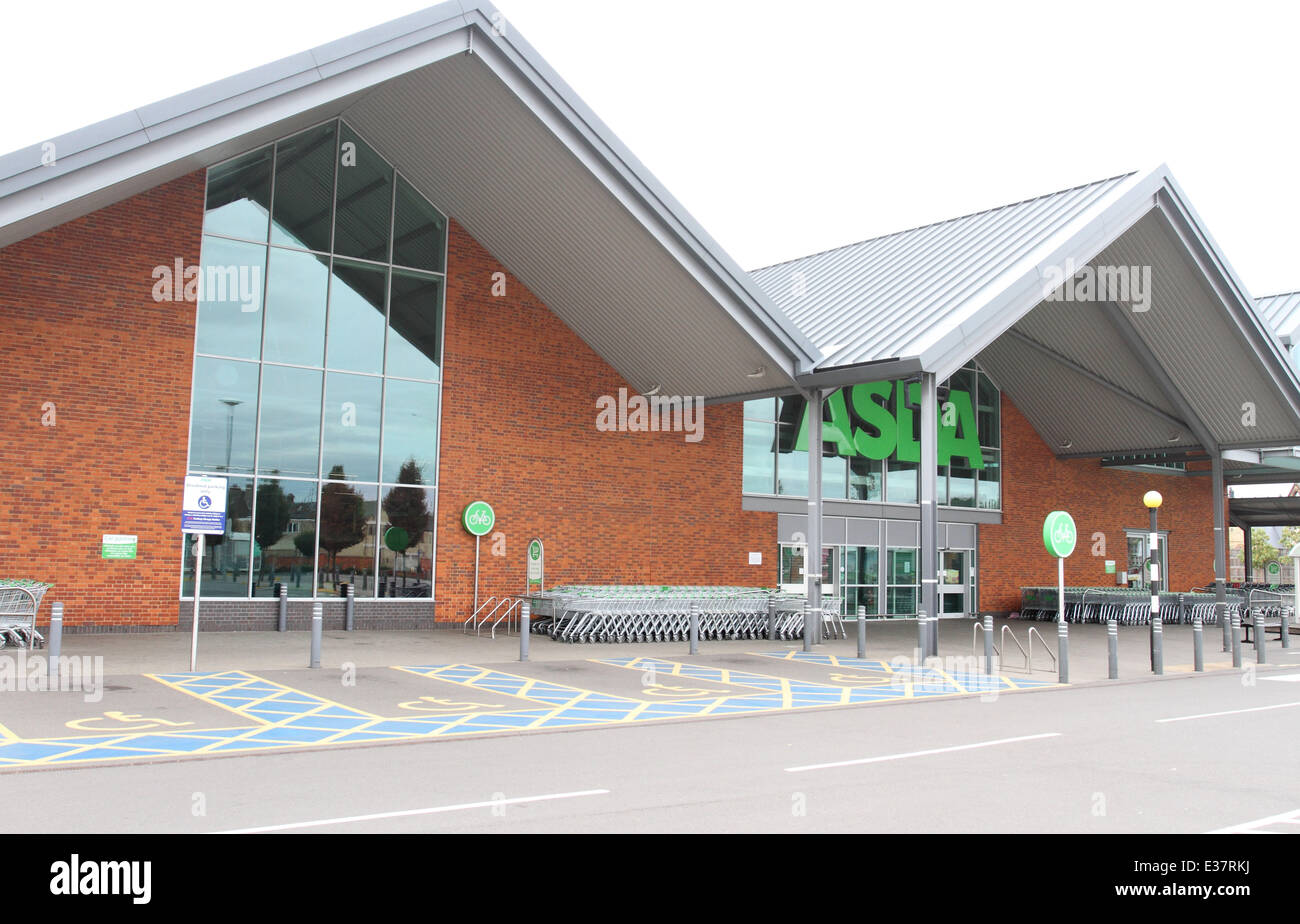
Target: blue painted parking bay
<point>244,712</point>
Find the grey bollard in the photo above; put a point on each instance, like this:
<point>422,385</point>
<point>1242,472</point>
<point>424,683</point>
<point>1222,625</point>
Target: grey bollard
<point>1236,638</point>
<point>284,608</point>
<point>55,643</point>
<point>525,616</point>
<point>1286,628</point>
<point>807,627</point>
<point>1112,646</point>
<point>1260,635</point>
<point>350,612</point>
<point>1157,646</point>
<point>988,643</point>
<point>771,619</point>
<point>862,632</point>
<point>922,636</point>
<point>317,625</point>
<point>1063,652</point>
<point>1225,622</point>
<point>695,628</point>
<point>1198,645</point>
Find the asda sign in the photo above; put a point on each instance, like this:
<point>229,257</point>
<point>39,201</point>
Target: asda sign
<point>874,421</point>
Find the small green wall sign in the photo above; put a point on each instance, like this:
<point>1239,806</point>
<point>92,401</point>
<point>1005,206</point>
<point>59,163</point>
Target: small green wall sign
<point>479,518</point>
<point>1059,534</point>
<point>119,547</point>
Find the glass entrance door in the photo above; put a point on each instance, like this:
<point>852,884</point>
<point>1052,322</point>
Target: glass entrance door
<point>953,584</point>
<point>794,580</point>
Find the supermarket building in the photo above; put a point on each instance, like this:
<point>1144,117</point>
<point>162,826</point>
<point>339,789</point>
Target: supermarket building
<point>376,281</point>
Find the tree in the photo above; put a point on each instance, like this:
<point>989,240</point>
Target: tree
<point>305,542</point>
<point>273,513</point>
<point>1262,550</point>
<point>342,518</point>
<point>407,509</point>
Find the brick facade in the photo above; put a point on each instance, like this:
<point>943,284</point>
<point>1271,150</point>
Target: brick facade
<point>1102,501</point>
<point>83,333</point>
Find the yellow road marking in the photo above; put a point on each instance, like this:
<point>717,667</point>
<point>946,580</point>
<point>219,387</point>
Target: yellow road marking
<point>210,702</point>
<point>8,735</point>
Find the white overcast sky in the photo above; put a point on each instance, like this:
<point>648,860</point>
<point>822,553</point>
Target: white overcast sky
<point>787,128</point>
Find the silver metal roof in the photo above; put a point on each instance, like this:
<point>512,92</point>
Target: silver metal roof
<point>1282,314</point>
<point>482,126</point>
<point>1198,367</point>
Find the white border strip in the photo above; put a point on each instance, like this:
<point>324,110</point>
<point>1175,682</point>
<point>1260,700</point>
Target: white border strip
<point>1211,715</point>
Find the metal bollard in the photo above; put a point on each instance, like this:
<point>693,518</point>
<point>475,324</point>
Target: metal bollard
<point>1157,645</point>
<point>1062,651</point>
<point>771,619</point>
<point>862,632</point>
<point>284,607</point>
<point>988,643</point>
<point>1286,628</point>
<point>695,628</point>
<point>1112,644</point>
<point>55,644</point>
<point>807,627</point>
<point>1260,637</point>
<point>922,636</point>
<point>350,611</point>
<point>1198,645</point>
<point>525,616</point>
<point>317,625</point>
<point>1236,638</point>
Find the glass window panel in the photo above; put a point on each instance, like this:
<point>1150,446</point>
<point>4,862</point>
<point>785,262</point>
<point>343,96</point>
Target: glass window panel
<point>791,467</point>
<point>356,317</point>
<point>900,482</point>
<point>865,597</point>
<point>419,231</point>
<point>230,298</point>
<point>296,287</point>
<point>239,196</point>
<point>290,436</point>
<point>304,189</point>
<point>346,547</point>
<point>902,566</point>
<point>989,486</point>
<point>988,413</point>
<point>941,485</point>
<point>792,564</point>
<point>223,415</point>
<point>365,201</point>
<point>759,459</point>
<point>834,477</point>
<point>413,348</point>
<point>225,557</point>
<point>902,601</point>
<point>961,486</point>
<point>865,478</point>
<point>351,446</point>
<point>406,542</point>
<point>761,409</point>
<point>410,432</point>
<point>284,536</point>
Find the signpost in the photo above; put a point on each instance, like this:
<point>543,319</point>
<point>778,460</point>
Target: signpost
<point>203,512</point>
<point>1060,536</point>
<point>1274,572</point>
<point>536,565</point>
<point>478,519</point>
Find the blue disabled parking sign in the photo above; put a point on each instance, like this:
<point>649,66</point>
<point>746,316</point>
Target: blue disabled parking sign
<point>203,509</point>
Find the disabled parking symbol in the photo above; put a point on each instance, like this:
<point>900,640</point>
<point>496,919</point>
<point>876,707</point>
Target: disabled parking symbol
<point>205,502</point>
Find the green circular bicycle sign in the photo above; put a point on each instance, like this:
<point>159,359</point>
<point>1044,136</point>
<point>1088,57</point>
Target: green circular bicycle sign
<point>1059,534</point>
<point>479,518</point>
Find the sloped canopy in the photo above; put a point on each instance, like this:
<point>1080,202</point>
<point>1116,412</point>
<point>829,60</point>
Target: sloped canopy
<point>1189,365</point>
<point>483,128</point>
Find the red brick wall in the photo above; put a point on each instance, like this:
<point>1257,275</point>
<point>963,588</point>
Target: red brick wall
<point>519,431</point>
<point>1102,501</point>
<point>81,330</point>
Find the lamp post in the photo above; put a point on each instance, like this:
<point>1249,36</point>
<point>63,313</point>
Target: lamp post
<point>1152,500</point>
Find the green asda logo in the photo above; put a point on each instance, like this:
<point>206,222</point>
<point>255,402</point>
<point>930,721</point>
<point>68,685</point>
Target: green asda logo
<point>873,420</point>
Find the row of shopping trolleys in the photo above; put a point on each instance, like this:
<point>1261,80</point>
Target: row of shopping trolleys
<point>588,614</point>
<point>1133,608</point>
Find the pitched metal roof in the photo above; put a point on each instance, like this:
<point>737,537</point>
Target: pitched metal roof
<point>1282,314</point>
<point>1194,367</point>
<point>542,183</point>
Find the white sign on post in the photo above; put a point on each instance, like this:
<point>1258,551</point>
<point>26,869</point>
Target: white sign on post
<point>203,512</point>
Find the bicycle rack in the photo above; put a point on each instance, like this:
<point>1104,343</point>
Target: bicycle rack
<point>979,627</point>
<point>1024,654</point>
<point>473,617</point>
<point>1033,633</point>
